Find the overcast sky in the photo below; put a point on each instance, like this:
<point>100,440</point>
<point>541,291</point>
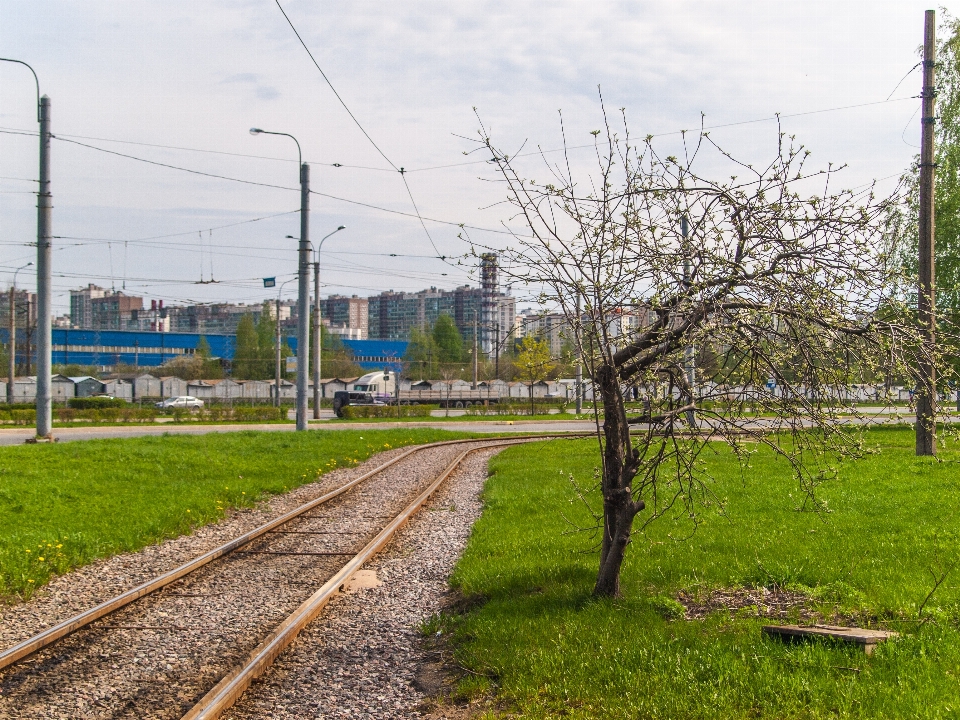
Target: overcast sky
<point>197,75</point>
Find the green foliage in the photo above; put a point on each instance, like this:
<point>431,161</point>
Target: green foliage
<point>203,348</point>
<point>71,370</point>
<point>352,412</point>
<point>903,221</point>
<point>552,650</point>
<point>449,342</point>
<point>423,354</point>
<point>533,360</point>
<point>65,505</point>
<point>95,403</point>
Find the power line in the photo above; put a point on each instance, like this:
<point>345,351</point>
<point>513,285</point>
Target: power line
<point>678,132</point>
<point>363,130</point>
<point>283,187</point>
<point>173,167</point>
<point>330,84</point>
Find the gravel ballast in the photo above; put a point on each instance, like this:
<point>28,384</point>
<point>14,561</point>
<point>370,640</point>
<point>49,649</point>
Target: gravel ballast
<point>156,657</point>
<point>363,658</point>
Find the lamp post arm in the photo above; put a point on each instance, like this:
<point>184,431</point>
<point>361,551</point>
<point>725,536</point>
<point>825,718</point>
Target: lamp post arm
<point>271,132</point>
<point>35,80</point>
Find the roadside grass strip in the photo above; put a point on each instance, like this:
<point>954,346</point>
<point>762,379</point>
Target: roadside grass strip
<point>537,645</point>
<point>65,505</point>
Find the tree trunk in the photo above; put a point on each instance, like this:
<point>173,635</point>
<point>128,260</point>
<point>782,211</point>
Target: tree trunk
<point>619,468</point>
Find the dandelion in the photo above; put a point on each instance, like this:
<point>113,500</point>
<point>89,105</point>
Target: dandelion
<point>40,559</point>
<point>28,549</point>
<point>59,546</point>
<point>187,511</point>
<point>29,581</point>
<point>242,493</point>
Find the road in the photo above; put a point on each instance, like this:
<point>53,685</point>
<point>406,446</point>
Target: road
<point>18,436</point>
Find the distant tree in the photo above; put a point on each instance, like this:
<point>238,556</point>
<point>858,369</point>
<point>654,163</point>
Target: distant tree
<point>423,354</point>
<point>247,361</point>
<point>203,348</point>
<point>533,362</point>
<point>336,359</point>
<point>448,340</point>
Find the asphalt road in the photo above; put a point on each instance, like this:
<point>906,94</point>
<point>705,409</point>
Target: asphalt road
<point>17,436</point>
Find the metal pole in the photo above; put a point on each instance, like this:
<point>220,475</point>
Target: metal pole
<point>276,379</point>
<point>579,380</point>
<point>689,362</point>
<point>475,350</point>
<point>927,385</point>
<point>44,324</point>
<point>12,345</point>
<point>497,365</point>
<point>303,304</point>
<point>316,340</point>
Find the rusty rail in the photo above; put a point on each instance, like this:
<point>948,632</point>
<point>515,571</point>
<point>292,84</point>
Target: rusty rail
<point>232,686</point>
<point>50,636</point>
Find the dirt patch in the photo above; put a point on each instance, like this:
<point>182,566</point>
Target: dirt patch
<point>361,580</point>
<point>756,602</point>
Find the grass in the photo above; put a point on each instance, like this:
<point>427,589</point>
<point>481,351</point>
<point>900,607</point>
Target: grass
<point>541,646</point>
<point>64,505</point>
<point>463,417</point>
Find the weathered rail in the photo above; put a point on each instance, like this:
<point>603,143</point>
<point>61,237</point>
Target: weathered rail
<point>276,638</point>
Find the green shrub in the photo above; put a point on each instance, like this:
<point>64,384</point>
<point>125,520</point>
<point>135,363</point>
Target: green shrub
<point>353,412</point>
<point>261,413</point>
<point>668,608</point>
<point>96,403</point>
<point>23,417</point>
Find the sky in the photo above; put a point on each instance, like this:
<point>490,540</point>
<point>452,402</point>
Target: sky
<point>182,83</point>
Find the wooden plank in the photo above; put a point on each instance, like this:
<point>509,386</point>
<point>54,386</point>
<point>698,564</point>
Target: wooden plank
<point>867,639</point>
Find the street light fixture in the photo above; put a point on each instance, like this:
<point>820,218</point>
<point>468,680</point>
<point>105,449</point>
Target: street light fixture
<point>276,378</point>
<point>303,305</point>
<point>44,259</point>
<point>316,323</point>
<point>12,345</point>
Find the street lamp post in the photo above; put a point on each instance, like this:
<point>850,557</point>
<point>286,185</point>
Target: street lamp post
<point>44,236</point>
<point>303,305</point>
<point>316,324</point>
<point>276,349</point>
<point>12,345</point>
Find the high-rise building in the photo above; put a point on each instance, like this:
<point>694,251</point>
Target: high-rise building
<point>393,315</point>
<point>347,316</point>
<point>81,305</point>
<point>116,311</point>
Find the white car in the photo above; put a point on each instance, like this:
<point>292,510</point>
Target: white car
<point>187,402</point>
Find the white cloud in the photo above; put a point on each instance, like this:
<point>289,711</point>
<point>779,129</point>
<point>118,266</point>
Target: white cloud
<point>200,74</point>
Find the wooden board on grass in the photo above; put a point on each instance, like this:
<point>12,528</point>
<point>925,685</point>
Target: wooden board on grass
<point>865,638</point>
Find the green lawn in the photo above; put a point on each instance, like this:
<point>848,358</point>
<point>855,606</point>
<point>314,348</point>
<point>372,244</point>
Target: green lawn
<point>542,647</point>
<point>63,505</point>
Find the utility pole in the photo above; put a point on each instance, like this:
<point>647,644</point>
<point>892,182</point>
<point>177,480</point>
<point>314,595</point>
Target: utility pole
<point>497,362</point>
<point>689,362</point>
<point>475,350</point>
<point>579,377</point>
<point>44,323</point>
<point>276,378</point>
<point>303,300</point>
<point>926,307</point>
<point>316,339</point>
<point>12,344</point>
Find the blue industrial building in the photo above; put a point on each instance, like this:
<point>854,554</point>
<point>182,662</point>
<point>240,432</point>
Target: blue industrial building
<point>108,348</point>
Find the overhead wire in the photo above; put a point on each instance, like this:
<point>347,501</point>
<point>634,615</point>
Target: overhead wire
<point>363,130</point>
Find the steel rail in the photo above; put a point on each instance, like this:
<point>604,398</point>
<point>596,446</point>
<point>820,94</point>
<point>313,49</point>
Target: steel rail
<point>59,631</point>
<point>233,685</point>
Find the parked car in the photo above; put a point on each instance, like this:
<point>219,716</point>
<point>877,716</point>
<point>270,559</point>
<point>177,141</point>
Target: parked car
<point>187,402</point>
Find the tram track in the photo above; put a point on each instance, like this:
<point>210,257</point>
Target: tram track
<point>191,629</point>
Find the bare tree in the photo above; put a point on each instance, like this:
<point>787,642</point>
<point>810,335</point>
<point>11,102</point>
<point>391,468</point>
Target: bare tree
<point>771,273</point>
